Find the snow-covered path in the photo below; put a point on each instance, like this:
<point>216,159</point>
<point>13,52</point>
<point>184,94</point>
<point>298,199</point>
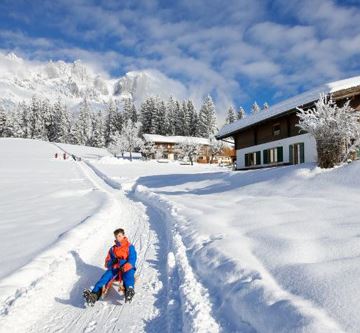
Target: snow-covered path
<point>53,303</point>
<point>199,265</point>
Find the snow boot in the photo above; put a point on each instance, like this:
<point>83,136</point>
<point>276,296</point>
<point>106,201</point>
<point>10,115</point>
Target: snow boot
<point>129,294</point>
<point>90,297</point>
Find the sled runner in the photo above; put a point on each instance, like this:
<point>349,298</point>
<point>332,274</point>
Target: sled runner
<point>116,281</point>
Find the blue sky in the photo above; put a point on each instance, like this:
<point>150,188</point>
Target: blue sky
<point>237,50</point>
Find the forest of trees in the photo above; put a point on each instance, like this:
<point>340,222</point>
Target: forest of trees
<point>39,119</point>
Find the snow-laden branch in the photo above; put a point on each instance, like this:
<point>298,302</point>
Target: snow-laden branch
<point>335,128</point>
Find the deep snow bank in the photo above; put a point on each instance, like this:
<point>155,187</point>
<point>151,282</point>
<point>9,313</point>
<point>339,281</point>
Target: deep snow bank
<point>41,198</point>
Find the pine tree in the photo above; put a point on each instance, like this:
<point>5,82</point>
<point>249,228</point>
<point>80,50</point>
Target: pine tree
<point>255,108</point>
<point>119,118</point>
<point>83,127</point>
<point>97,136</point>
<point>148,112</point>
<point>50,125</point>
<point>161,118</point>
<point>193,119</point>
<point>170,112</point>
<point>230,118</point>
<point>241,113</point>
<point>17,125</point>
<point>21,121</point>
<point>37,120</point>
<point>207,118</point>
<point>266,106</point>
<point>62,122</point>
<point>111,122</point>
<point>185,117</point>
<point>3,119</point>
<point>177,119</point>
<point>130,111</point>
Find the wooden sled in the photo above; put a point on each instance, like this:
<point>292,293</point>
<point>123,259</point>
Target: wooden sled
<point>115,281</point>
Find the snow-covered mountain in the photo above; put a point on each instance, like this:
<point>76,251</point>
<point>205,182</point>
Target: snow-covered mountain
<point>20,79</point>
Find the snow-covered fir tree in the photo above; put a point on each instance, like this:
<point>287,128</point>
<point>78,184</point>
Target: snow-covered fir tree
<point>15,126</point>
<point>241,113</point>
<point>130,111</point>
<point>193,119</point>
<point>178,126</point>
<point>334,128</point>
<point>185,118</point>
<point>97,136</point>
<point>37,120</point>
<point>266,106</point>
<point>49,120</point>
<point>119,117</point>
<point>160,118</point>
<point>111,119</point>
<point>21,121</point>
<point>62,122</point>
<point>170,113</point>
<point>147,116</point>
<point>231,117</point>
<point>3,119</point>
<point>255,108</point>
<point>83,126</point>
<point>207,118</point>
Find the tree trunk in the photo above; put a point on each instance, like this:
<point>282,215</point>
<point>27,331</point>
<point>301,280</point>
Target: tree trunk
<point>130,155</point>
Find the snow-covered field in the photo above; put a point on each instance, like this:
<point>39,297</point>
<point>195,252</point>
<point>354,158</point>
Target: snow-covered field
<point>36,200</point>
<point>277,248</point>
<point>273,250</point>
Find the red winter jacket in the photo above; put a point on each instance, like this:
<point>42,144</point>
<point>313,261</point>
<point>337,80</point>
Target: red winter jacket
<point>124,252</point>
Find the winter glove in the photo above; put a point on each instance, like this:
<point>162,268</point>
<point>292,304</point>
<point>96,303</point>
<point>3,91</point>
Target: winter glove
<point>126,267</point>
<point>110,263</point>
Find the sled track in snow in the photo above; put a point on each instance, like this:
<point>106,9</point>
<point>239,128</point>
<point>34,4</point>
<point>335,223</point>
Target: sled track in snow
<point>187,301</point>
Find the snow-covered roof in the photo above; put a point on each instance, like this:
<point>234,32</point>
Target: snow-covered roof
<point>174,139</point>
<point>289,104</point>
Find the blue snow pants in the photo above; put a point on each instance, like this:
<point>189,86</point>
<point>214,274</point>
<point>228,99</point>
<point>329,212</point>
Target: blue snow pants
<point>128,278</point>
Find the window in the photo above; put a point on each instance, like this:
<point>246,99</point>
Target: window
<point>297,153</point>
<point>273,155</point>
<point>276,129</point>
<point>253,159</point>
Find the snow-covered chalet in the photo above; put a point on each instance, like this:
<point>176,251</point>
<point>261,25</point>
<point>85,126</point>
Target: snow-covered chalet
<point>168,151</point>
<point>270,138</point>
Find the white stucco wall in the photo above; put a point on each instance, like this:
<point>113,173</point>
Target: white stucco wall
<point>310,153</point>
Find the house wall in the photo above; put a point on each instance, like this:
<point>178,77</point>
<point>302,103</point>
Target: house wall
<point>355,102</point>
<point>310,153</point>
<point>263,133</point>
